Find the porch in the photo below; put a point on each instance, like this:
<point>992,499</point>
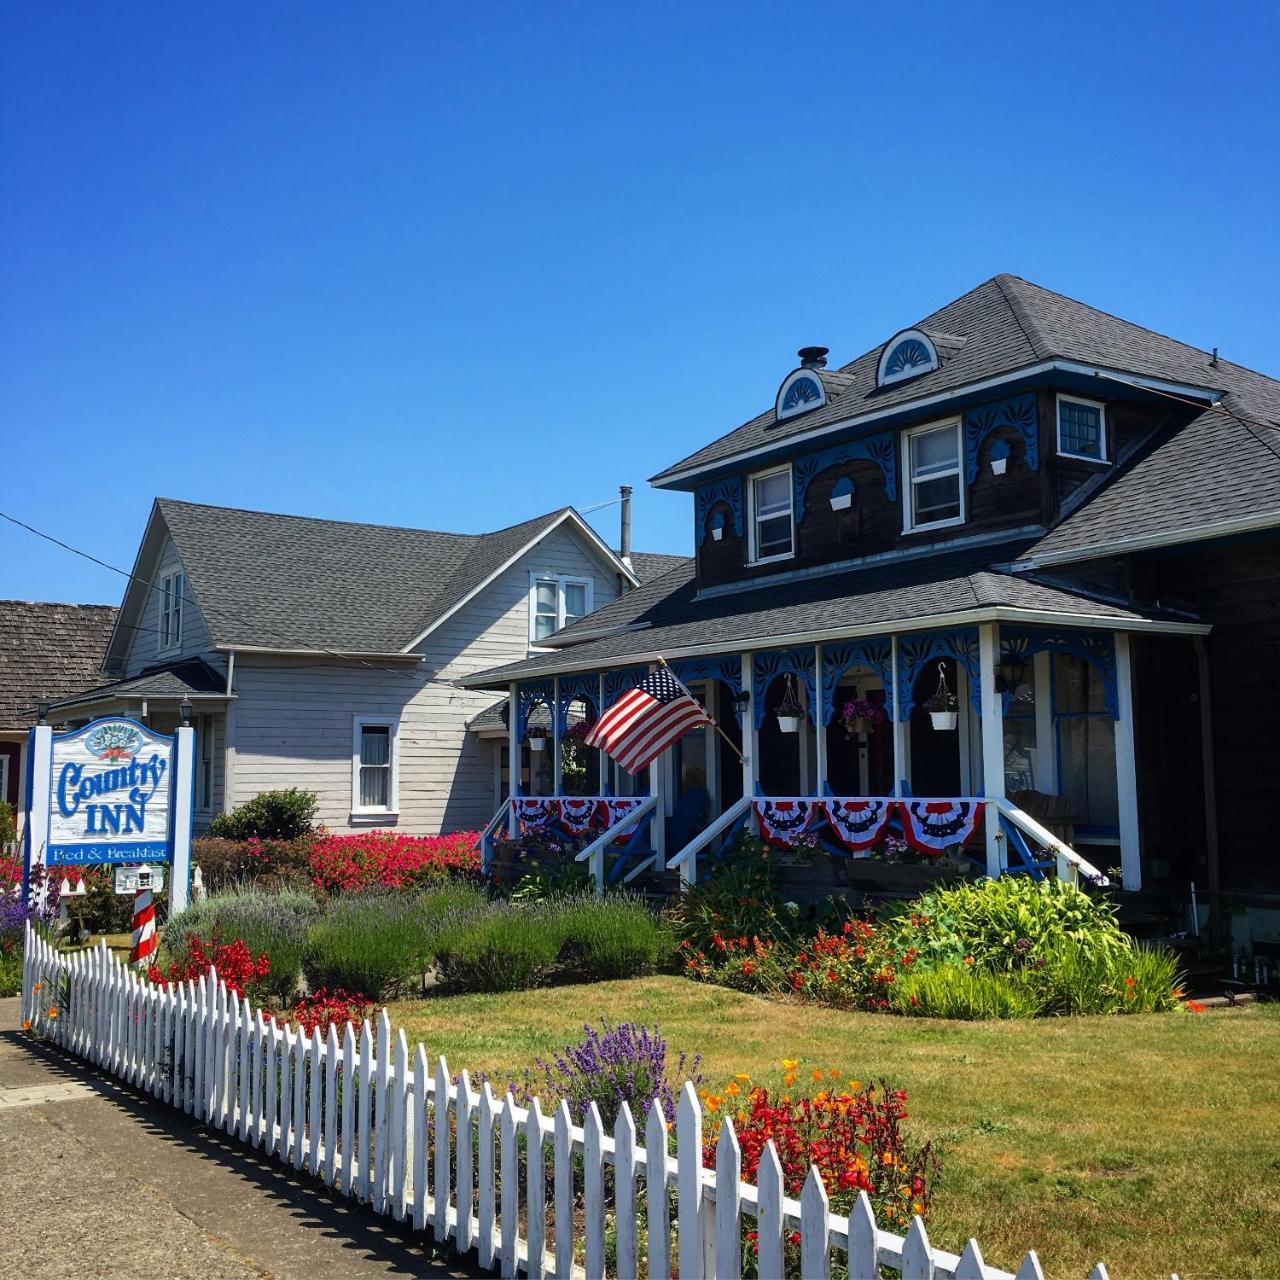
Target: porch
<point>989,748</point>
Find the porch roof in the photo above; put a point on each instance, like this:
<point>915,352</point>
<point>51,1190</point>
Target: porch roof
<point>668,618</point>
<point>191,678</point>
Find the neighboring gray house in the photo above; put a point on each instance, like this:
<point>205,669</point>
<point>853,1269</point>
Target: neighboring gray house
<point>323,655</point>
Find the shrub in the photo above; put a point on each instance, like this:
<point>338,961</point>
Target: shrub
<point>1068,978</point>
<point>626,1063</point>
<point>503,950</point>
<point>272,923</point>
<point>101,909</point>
<point>614,937</point>
<point>389,860</point>
<point>958,991</point>
<point>271,815</point>
<point>226,863</point>
<point>244,973</point>
<point>382,943</point>
<point>739,898</point>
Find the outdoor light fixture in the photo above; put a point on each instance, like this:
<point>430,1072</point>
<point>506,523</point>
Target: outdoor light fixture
<point>1009,673</point>
<point>184,710</point>
<point>42,710</point>
<point>742,700</point>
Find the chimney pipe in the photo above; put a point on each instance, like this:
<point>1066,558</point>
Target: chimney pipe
<point>813,357</point>
<point>624,551</point>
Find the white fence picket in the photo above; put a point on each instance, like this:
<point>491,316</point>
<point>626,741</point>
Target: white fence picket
<point>380,1128</point>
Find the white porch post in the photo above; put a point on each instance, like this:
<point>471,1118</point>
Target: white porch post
<point>749,739</point>
<point>658,787</point>
<point>992,739</point>
<point>819,725</point>
<point>603,754</point>
<point>513,757</point>
<point>1126,767</point>
<point>899,725</point>
<point>556,765</point>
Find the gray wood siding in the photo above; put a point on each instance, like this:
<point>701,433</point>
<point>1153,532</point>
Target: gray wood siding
<point>294,720</point>
<point>144,647</point>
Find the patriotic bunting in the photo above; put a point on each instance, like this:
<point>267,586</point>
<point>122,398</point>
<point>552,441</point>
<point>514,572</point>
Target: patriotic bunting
<point>579,814</point>
<point>859,824</point>
<point>614,811</point>
<point>782,821</point>
<point>534,813</point>
<point>931,826</point>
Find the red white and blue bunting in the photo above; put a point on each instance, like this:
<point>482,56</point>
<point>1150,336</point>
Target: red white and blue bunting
<point>534,813</point>
<point>579,814</point>
<point>576,815</point>
<point>857,824</point>
<point>783,821</point>
<point>614,811</point>
<point>931,826</point>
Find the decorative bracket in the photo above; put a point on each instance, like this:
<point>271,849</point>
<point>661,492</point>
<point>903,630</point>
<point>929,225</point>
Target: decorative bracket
<point>1015,414</point>
<point>728,669</point>
<point>880,449</point>
<point>728,490</point>
<point>529,696</point>
<point>573,688</point>
<point>768,666</point>
<point>916,651</point>
<point>616,683</point>
<point>1097,648</point>
<point>839,658</point>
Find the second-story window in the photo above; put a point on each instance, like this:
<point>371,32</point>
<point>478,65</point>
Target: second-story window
<point>935,495</point>
<point>555,602</point>
<point>772,535</point>
<point>1082,429</point>
<point>172,586</point>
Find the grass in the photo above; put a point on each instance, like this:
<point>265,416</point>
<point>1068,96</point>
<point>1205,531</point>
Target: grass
<point>1148,1142</point>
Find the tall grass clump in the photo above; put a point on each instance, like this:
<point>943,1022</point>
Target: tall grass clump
<point>951,991</point>
<point>381,944</point>
<point>614,937</point>
<point>509,948</point>
<point>275,923</point>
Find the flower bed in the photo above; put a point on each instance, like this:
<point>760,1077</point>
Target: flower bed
<point>389,860</point>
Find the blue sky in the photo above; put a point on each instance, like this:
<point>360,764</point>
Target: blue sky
<point>454,265</point>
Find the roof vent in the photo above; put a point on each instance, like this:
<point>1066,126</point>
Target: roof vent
<point>813,357</point>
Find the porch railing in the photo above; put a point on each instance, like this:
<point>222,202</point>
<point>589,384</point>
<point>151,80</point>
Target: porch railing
<point>496,823</point>
<point>593,854</point>
<point>1025,836</point>
<point>686,861</point>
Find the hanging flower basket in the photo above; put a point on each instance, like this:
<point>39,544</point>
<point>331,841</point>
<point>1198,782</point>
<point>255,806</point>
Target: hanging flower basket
<point>790,712</point>
<point>860,716</point>
<point>537,741</point>
<point>943,707</point>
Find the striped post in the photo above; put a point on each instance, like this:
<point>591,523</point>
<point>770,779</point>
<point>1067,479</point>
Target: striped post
<point>144,928</point>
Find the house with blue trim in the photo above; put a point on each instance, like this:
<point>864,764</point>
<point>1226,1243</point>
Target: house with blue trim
<point>1008,582</point>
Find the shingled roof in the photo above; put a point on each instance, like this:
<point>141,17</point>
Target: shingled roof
<point>294,582</point>
<point>48,651</point>
<point>1006,324</point>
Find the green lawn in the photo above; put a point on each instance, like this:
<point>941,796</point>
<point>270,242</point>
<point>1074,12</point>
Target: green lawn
<point>1151,1143</point>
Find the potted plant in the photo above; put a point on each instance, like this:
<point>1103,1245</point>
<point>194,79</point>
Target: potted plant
<point>537,739</point>
<point>943,707</point>
<point>861,716</point>
<point>790,712</point>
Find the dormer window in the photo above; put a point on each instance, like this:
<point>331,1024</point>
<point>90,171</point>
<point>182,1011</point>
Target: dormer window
<point>801,391</point>
<point>906,355</point>
<point>1082,427</point>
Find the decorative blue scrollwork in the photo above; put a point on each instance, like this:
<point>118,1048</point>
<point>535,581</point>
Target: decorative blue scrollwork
<point>879,449</point>
<point>839,658</point>
<point>1097,648</point>
<point>728,669</point>
<point>616,683</point>
<point>1016,414</point>
<point>529,696</point>
<point>728,491</point>
<point>574,688</point>
<point>766,667</point>
<point>908,355</point>
<point>916,651</point>
<point>803,391</point>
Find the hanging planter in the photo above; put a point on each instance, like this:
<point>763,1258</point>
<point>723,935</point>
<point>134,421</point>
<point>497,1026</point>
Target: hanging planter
<point>860,716</point>
<point>943,707</point>
<point>790,712</point>
<point>999,457</point>
<point>717,526</point>
<point>842,494</point>
<point>537,740</point>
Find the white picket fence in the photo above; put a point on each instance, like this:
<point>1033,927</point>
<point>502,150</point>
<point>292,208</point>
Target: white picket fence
<point>426,1149</point>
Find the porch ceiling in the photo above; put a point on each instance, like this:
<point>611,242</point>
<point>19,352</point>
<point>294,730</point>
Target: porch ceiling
<point>666,617</point>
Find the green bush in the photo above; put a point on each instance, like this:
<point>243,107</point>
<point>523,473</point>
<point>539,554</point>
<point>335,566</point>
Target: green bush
<point>1075,979</point>
<point>381,944</point>
<point>8,824</point>
<point>614,937</point>
<point>11,973</point>
<point>226,863</point>
<point>272,815</point>
<point>955,991</point>
<point>1002,923</point>
<point>277,923</point>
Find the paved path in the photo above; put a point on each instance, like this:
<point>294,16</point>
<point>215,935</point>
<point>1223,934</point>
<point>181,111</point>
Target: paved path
<point>97,1181</point>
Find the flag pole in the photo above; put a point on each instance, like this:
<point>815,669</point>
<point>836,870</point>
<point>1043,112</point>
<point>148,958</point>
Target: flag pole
<point>732,747</point>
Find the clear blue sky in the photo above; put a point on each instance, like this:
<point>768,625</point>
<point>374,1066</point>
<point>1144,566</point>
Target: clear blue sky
<point>454,265</point>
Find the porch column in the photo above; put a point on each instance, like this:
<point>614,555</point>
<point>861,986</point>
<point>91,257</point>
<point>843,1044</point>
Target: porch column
<point>898,725</point>
<point>1126,767</point>
<point>749,742</point>
<point>556,772</point>
<point>992,740</point>
<point>603,754</point>
<point>819,725</point>
<point>513,757</point>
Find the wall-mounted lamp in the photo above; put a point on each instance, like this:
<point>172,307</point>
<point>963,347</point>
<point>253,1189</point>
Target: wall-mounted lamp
<point>717,526</point>
<point>842,494</point>
<point>1009,673</point>
<point>999,456</point>
<point>184,710</point>
<point>742,700</point>
<point>42,710</point>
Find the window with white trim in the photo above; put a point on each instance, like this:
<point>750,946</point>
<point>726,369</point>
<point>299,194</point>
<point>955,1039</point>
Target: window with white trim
<point>204,774</point>
<point>1082,429</point>
<point>375,765</point>
<point>555,601</point>
<point>172,587</point>
<point>931,462</point>
<point>772,519</point>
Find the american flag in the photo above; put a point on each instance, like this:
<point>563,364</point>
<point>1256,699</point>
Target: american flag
<point>646,720</point>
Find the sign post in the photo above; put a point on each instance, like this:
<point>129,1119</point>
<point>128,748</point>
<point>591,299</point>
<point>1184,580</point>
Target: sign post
<point>114,791</point>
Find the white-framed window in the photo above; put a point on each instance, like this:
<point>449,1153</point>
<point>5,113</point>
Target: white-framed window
<point>771,515</point>
<point>555,601</point>
<point>934,492</point>
<point>375,765</point>
<point>172,588</point>
<point>1082,429</point>
<point>204,763</point>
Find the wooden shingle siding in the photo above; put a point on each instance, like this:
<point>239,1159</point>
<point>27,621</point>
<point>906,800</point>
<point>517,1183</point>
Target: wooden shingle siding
<point>294,718</point>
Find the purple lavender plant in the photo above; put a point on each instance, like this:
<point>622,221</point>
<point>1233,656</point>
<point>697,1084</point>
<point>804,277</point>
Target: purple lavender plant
<point>610,1066</point>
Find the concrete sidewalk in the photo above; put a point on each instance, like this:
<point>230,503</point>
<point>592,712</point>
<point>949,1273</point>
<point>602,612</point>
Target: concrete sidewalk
<point>96,1180</point>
